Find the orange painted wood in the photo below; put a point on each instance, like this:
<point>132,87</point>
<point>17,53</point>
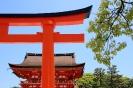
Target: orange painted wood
<point>37,38</point>
<point>4,29</point>
<point>60,72</point>
<point>63,20</point>
<point>48,68</point>
<point>47,38</point>
<point>20,38</point>
<point>69,38</point>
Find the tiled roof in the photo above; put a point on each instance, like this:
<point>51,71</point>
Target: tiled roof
<point>35,60</point>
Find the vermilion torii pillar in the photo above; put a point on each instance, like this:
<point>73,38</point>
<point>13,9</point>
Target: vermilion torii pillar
<point>47,37</point>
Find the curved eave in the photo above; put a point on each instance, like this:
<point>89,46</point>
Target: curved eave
<point>57,14</point>
<point>83,65</point>
<point>13,65</point>
<point>60,18</point>
<point>21,66</point>
<point>16,74</point>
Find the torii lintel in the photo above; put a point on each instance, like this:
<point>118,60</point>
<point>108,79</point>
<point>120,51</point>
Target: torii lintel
<point>60,18</point>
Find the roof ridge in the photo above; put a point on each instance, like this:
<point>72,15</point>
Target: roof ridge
<point>57,54</point>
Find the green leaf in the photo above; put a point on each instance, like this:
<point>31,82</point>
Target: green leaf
<point>113,19</point>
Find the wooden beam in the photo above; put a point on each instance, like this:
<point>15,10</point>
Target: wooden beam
<point>37,21</point>
<point>69,38</point>
<point>20,38</point>
<point>37,38</point>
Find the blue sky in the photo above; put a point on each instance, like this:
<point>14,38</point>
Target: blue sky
<point>14,53</point>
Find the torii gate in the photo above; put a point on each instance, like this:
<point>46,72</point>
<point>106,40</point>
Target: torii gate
<point>48,21</point>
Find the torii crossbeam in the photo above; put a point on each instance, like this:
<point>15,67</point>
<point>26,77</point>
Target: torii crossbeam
<point>47,21</point>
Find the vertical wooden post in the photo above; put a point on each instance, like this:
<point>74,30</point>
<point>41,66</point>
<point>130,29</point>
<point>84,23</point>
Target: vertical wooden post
<point>4,29</point>
<point>48,68</point>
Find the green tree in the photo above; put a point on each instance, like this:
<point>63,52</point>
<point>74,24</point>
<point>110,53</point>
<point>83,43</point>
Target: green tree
<point>99,77</point>
<point>107,80</point>
<point>113,19</point>
<point>125,82</point>
<point>115,79</point>
<point>130,83</point>
<point>86,80</point>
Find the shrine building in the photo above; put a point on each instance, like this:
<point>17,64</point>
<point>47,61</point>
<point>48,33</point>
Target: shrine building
<point>66,70</point>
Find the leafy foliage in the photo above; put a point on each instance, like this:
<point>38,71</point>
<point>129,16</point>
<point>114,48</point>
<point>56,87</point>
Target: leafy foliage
<point>113,19</point>
<point>115,79</point>
<point>86,80</point>
<point>99,77</point>
<point>102,79</point>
